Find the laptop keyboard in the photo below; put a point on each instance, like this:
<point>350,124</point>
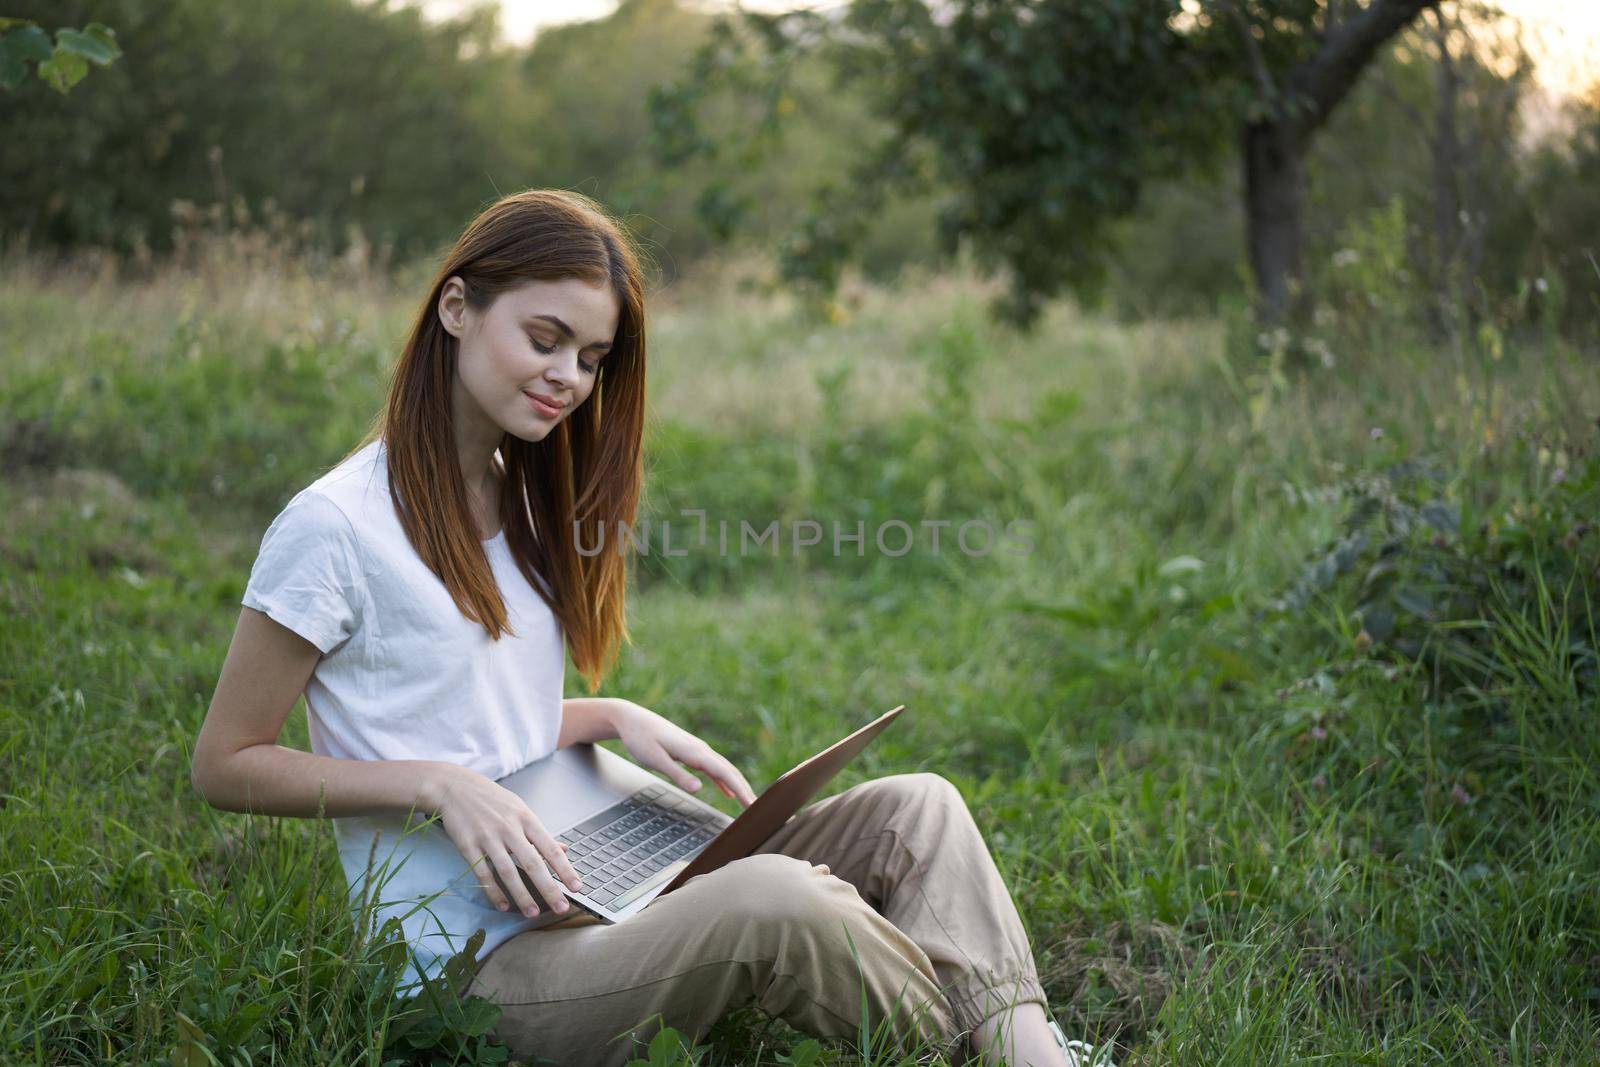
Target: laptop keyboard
<point>625,845</point>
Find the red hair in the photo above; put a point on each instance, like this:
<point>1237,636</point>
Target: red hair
<point>582,478</point>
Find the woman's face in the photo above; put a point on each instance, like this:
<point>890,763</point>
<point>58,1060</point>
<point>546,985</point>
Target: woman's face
<point>530,358</point>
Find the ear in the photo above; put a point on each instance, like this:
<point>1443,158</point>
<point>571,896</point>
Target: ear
<point>452,308</point>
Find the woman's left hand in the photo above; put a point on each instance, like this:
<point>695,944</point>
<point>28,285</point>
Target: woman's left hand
<point>662,746</point>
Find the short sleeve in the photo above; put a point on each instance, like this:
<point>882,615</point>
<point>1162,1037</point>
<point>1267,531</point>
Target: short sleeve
<point>307,575</point>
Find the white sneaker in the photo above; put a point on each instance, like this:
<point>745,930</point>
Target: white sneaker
<point>1080,1053</point>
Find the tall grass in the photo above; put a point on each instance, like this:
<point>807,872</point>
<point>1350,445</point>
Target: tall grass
<point>1237,834</point>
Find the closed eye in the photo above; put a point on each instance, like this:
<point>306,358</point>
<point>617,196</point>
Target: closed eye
<point>588,368</point>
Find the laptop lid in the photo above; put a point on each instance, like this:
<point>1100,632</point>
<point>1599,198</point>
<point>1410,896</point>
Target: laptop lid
<point>779,801</point>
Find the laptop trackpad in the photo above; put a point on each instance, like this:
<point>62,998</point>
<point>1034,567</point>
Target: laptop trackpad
<point>560,795</point>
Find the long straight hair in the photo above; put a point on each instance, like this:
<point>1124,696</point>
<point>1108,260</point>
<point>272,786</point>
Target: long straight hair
<point>583,477</point>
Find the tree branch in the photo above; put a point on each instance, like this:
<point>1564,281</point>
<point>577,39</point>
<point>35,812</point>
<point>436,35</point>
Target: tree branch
<point>1258,62</point>
<point>1324,80</point>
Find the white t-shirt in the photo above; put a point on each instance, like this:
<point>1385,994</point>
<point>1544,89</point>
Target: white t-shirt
<point>405,675</point>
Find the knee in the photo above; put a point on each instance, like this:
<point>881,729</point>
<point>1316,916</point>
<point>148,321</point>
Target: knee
<point>922,790</point>
<point>785,896</point>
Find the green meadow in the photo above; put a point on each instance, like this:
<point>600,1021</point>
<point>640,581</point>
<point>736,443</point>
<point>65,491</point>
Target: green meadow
<point>1281,725</point>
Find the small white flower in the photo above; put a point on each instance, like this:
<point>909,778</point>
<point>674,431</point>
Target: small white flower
<point>1323,353</point>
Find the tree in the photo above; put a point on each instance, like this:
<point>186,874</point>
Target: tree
<point>323,111</point>
<point>1319,50</point>
<point>1042,121</point>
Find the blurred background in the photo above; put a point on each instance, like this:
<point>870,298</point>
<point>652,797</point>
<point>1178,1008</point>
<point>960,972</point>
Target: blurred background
<point>1465,152</point>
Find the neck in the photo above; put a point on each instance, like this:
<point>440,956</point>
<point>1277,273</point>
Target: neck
<point>477,438</point>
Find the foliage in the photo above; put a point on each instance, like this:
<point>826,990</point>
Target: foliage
<point>1459,600</point>
<point>1040,125</point>
<point>366,127</point>
<point>70,415</point>
<point>1545,264</point>
<point>1032,151</point>
<point>333,112</point>
<point>668,1048</point>
<point>60,65</point>
<point>370,130</point>
<point>440,1025</point>
<point>1373,291</point>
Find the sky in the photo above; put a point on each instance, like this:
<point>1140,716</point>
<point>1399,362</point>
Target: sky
<point>1563,35</point>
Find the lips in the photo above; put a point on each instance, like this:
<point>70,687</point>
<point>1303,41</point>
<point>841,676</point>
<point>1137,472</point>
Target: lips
<point>544,405</point>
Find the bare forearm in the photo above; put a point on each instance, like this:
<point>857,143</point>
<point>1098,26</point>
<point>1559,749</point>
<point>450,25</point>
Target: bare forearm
<point>590,719</point>
<point>274,780</point>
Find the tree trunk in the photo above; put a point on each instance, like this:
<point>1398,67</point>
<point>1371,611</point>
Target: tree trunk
<point>1275,190</point>
<point>1274,147</point>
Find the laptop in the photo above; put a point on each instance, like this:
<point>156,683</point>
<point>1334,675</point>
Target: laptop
<point>632,836</point>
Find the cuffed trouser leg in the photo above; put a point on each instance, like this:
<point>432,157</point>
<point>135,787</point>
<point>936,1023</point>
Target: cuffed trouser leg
<point>910,846</point>
<point>884,894</point>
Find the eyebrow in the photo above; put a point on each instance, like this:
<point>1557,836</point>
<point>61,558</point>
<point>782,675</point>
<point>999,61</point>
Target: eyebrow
<point>604,346</point>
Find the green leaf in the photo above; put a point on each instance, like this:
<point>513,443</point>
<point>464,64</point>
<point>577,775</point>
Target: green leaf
<point>478,1016</point>
<point>460,968</point>
<point>1219,603</point>
<point>17,47</point>
<point>1442,516</point>
<point>1378,622</point>
<point>95,42</point>
<point>63,70</point>
<point>807,1053</point>
<point>1414,600</point>
<point>426,1032</point>
<point>30,42</point>
<point>190,1049</point>
<point>249,1016</point>
<point>667,1048</point>
<point>1178,565</point>
<point>1230,665</point>
<point>401,1024</point>
<point>1081,614</point>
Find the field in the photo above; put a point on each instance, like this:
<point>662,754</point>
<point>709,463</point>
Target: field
<point>1265,791</point>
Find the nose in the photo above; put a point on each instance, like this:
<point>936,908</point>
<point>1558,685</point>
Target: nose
<point>562,370</point>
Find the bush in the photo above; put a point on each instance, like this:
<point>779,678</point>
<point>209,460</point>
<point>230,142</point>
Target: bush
<point>1477,604</point>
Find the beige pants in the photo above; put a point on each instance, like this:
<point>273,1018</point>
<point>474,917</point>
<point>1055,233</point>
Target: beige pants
<point>912,889</point>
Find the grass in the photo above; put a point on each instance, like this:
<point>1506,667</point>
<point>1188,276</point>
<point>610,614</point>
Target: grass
<point>1236,835</point>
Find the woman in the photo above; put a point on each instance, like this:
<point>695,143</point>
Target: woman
<point>423,594</point>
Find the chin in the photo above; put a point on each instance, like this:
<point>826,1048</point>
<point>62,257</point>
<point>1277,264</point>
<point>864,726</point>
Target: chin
<point>532,430</point>
<point>533,436</point>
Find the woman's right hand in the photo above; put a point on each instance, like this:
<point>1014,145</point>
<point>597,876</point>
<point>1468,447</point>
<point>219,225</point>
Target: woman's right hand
<point>495,831</point>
